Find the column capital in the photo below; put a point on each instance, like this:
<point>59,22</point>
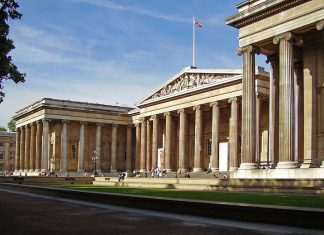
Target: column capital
<point>31,124</point>
<point>115,125</point>
<point>288,36</point>
<point>99,124</point>
<point>65,121</point>
<point>83,123</point>
<point>137,124</point>
<point>148,122</point>
<point>250,49</point>
<point>155,116</point>
<point>142,119</point>
<point>215,103</point>
<point>130,126</point>
<point>197,107</point>
<point>167,114</point>
<point>181,111</point>
<point>233,99</point>
<point>45,120</point>
<point>320,25</point>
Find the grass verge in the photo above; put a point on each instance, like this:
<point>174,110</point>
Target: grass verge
<point>314,201</point>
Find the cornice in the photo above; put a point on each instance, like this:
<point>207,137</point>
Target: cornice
<point>261,11</point>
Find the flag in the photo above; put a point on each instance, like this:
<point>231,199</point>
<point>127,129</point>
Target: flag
<point>197,23</point>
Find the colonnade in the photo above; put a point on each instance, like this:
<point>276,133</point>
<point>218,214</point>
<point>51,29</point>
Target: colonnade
<point>147,142</point>
<point>33,147</point>
<point>285,102</point>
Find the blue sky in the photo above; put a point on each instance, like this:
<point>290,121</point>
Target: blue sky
<point>109,51</point>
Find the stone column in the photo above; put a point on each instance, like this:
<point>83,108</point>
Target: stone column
<point>257,127</point>
<point>98,147</point>
<point>17,158</point>
<point>113,168</point>
<point>273,109</point>
<point>297,79</point>
<point>32,147</point>
<point>148,146</point>
<point>138,146</point>
<point>214,161</point>
<point>248,107</point>
<point>22,148</point>
<point>38,146</point>
<point>155,140</point>
<point>27,148</point>
<point>286,101</point>
<point>143,146</point>
<point>233,134</point>
<point>64,146</point>
<point>183,141</point>
<point>81,149</point>
<point>129,148</point>
<point>45,145</point>
<point>168,139</point>
<point>198,135</point>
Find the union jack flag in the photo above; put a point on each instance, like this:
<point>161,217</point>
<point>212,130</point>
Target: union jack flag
<point>198,23</point>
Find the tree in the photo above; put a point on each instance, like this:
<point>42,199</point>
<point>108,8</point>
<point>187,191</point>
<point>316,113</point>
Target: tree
<point>11,125</point>
<point>8,70</point>
<point>2,128</point>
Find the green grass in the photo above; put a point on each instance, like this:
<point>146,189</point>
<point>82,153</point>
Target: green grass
<point>315,201</point>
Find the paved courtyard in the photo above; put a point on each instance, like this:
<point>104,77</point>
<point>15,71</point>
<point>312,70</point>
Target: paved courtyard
<point>27,213</point>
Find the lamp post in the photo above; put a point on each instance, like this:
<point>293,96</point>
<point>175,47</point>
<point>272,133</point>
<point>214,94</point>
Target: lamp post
<point>94,159</point>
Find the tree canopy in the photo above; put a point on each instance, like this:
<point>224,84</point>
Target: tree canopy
<point>2,128</point>
<point>11,125</point>
<point>8,70</point>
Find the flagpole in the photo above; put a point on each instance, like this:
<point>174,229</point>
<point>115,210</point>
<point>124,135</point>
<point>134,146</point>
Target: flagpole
<point>193,41</point>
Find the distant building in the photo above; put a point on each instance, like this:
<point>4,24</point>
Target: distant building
<point>7,151</point>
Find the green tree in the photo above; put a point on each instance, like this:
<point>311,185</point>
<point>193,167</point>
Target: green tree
<point>8,70</point>
<point>2,128</point>
<point>11,125</point>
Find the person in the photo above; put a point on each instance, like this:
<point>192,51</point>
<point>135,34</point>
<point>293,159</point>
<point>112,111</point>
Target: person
<point>120,176</point>
<point>187,175</point>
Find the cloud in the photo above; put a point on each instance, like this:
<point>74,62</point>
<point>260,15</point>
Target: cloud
<point>135,9</point>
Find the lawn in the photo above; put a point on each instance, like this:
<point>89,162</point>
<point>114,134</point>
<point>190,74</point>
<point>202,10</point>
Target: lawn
<point>315,201</point>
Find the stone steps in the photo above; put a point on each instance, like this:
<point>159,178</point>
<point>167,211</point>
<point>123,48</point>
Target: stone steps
<point>225,185</point>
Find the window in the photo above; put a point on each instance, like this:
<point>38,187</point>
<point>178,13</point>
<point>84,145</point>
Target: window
<point>11,145</point>
<point>11,155</point>
<point>1,167</point>
<point>1,144</point>
<point>12,167</point>
<point>74,150</point>
<point>1,156</point>
<point>209,146</point>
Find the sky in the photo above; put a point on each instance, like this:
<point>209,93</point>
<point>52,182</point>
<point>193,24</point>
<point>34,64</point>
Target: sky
<point>113,51</point>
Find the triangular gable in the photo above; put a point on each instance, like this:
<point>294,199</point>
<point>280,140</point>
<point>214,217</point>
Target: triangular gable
<point>190,79</point>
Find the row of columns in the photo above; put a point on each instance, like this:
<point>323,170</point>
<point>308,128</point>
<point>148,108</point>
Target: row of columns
<point>30,157</point>
<point>32,147</point>
<point>146,152</point>
<point>284,93</point>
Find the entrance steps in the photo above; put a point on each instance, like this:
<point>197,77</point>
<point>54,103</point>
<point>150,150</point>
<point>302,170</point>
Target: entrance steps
<point>226,185</point>
<point>46,180</point>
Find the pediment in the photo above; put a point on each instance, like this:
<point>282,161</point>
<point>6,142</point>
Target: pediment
<point>189,80</point>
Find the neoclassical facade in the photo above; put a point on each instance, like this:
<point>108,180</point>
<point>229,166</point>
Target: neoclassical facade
<point>249,123</point>
<point>64,136</point>
<point>290,33</point>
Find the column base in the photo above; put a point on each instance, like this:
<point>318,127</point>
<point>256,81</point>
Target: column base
<point>309,164</point>
<point>215,169</point>
<point>198,169</point>
<point>168,170</point>
<point>286,165</point>
<point>182,171</point>
<point>142,170</point>
<point>247,166</point>
<point>233,168</point>
<point>322,166</point>
<point>80,171</point>
<point>113,171</point>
